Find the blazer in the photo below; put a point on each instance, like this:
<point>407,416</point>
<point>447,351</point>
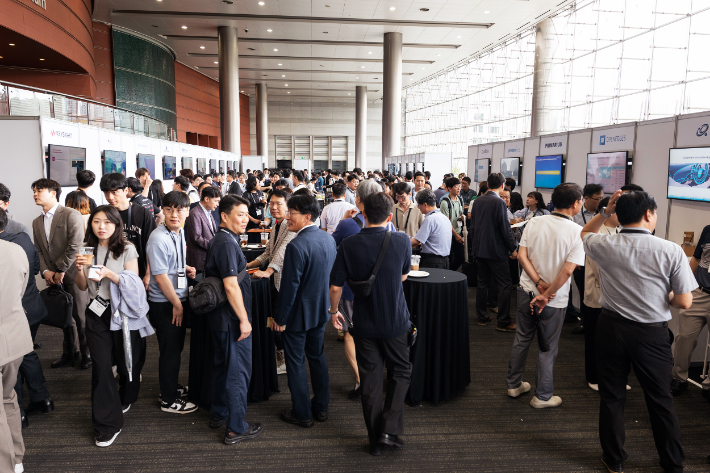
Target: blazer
<point>198,235</point>
<point>276,250</point>
<point>31,300</point>
<point>235,188</point>
<point>66,236</point>
<point>304,296</point>
<point>492,236</point>
<point>15,338</point>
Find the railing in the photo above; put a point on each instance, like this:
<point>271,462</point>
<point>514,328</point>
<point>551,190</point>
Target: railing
<point>20,100</point>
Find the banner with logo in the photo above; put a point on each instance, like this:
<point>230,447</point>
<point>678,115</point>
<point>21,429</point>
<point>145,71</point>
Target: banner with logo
<point>552,145</point>
<point>514,149</point>
<point>693,132</point>
<point>485,151</point>
<point>57,132</point>
<point>613,139</point>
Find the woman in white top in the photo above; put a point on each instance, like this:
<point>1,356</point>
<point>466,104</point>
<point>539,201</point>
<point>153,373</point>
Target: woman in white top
<point>535,207</point>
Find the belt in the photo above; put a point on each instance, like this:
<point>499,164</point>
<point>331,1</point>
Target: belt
<point>618,316</point>
<point>705,290</point>
<point>431,255</point>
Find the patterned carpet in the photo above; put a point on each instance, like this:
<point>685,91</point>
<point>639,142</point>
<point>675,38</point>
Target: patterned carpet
<point>482,430</point>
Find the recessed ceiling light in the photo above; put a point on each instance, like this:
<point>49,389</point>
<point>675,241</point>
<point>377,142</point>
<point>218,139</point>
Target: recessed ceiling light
<point>0,57</point>
<point>438,54</point>
<point>283,75</point>
<point>280,64</point>
<point>348,93</point>
<point>411,78</point>
<point>41,59</point>
<point>202,47</point>
<point>362,67</point>
<point>228,2</point>
<point>12,44</point>
<point>423,68</point>
<point>369,52</point>
<point>288,92</point>
<point>262,3</point>
<point>458,36</point>
<point>276,50</point>
<point>325,32</point>
<point>423,9</point>
<point>486,12</point>
<point>184,27</point>
<point>357,77</point>
<point>216,62</point>
<point>392,8</point>
<point>375,78</point>
<point>327,6</point>
<point>286,85</point>
<point>269,31</point>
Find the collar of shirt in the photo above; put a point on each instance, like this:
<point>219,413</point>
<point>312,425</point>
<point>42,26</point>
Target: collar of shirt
<point>373,230</point>
<point>411,205</point>
<point>342,199</point>
<point>635,229</point>
<point>309,225</point>
<point>494,193</point>
<point>50,212</point>
<point>433,212</point>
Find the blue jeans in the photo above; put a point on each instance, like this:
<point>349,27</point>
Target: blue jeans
<point>230,379</point>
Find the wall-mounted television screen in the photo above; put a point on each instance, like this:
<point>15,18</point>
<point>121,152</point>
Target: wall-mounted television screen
<point>147,161</point>
<point>213,165</point>
<point>611,170</point>
<point>222,166</point>
<point>113,161</point>
<point>510,167</point>
<point>187,163</point>
<point>202,166</point>
<point>169,167</point>
<point>689,174</point>
<point>549,171</point>
<point>483,167</point>
<point>64,163</point>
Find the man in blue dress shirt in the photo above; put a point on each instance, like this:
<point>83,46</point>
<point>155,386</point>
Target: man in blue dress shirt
<point>434,235</point>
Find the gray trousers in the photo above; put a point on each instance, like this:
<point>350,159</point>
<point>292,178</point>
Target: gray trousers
<point>691,322</point>
<point>552,320</point>
<point>12,447</point>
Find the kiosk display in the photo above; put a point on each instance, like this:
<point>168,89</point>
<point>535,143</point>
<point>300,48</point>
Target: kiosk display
<point>689,174</point>
<point>169,167</point>
<point>113,161</point>
<point>201,166</point>
<point>186,163</point>
<point>147,161</point>
<point>611,170</point>
<point>222,166</point>
<point>64,163</point>
<point>548,171</point>
<point>213,165</point>
<point>510,167</point>
<point>483,167</point>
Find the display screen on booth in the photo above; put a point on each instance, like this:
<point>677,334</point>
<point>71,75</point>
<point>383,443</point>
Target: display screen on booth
<point>169,167</point>
<point>548,171</point>
<point>608,169</point>
<point>213,165</point>
<point>201,166</point>
<point>147,161</point>
<point>64,163</point>
<point>482,167</point>
<point>510,167</point>
<point>186,163</point>
<point>114,161</point>
<point>689,174</point>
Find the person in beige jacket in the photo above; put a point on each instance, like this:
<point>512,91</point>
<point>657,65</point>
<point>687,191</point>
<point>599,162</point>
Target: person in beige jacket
<point>15,343</point>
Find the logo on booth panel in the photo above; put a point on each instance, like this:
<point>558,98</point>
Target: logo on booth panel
<point>602,140</point>
<point>703,130</point>
<point>60,134</point>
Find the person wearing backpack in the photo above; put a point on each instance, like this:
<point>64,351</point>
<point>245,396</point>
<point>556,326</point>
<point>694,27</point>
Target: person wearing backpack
<point>452,207</point>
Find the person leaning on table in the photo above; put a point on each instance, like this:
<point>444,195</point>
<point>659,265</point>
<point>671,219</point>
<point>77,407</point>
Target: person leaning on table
<point>434,235</point>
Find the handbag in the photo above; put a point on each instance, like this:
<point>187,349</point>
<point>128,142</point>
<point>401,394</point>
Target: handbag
<point>59,306</point>
<point>363,289</point>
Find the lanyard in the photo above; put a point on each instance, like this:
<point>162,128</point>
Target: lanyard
<point>583,217</point>
<point>178,253</point>
<point>96,250</point>
<point>409,211</point>
<point>561,215</point>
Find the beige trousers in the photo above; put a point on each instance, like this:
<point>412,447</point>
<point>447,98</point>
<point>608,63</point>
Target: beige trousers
<point>691,322</point>
<point>12,447</point>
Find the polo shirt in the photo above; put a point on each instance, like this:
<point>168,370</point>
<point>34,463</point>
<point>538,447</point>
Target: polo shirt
<point>349,196</point>
<point>166,254</point>
<point>702,254</point>
<point>452,210</point>
<point>583,216</point>
<point>408,221</point>
<point>333,213</point>
<point>637,271</point>
<point>435,234</point>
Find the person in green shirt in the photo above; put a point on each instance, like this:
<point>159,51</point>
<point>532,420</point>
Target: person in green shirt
<point>453,208</point>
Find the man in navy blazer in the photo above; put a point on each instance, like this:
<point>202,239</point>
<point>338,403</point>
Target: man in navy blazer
<point>201,227</point>
<point>302,311</point>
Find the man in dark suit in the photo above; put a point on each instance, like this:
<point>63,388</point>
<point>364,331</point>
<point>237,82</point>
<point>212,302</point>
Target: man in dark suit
<point>303,311</point>
<point>492,243</point>
<point>232,184</point>
<point>201,227</point>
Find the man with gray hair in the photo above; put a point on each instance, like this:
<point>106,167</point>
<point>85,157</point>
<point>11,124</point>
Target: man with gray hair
<point>434,235</point>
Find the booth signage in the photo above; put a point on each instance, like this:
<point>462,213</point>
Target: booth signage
<point>693,132</point>
<point>485,151</point>
<point>613,139</point>
<point>552,145</point>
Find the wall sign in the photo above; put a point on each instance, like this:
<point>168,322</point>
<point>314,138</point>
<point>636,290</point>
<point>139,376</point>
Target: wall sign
<point>693,132</point>
<point>485,151</point>
<point>552,145</point>
<point>514,149</point>
<point>613,139</point>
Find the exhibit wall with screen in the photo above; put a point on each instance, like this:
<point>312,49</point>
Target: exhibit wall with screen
<point>482,167</point>
<point>611,170</point>
<point>689,174</point>
<point>186,163</point>
<point>64,163</point>
<point>213,165</point>
<point>114,161</point>
<point>201,166</point>
<point>548,171</point>
<point>147,161</point>
<point>169,165</point>
<point>510,167</point>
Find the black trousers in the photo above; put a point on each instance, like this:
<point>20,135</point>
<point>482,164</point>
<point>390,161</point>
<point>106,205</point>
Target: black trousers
<point>434,261</point>
<point>579,281</point>
<point>498,271</point>
<point>171,341</point>
<point>372,354</point>
<point>31,372</point>
<point>590,342</point>
<point>278,340</point>
<point>621,344</point>
<point>456,257</point>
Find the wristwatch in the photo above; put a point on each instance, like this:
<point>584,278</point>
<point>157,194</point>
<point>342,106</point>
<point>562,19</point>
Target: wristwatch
<point>538,282</point>
<point>604,214</point>
<point>332,313</point>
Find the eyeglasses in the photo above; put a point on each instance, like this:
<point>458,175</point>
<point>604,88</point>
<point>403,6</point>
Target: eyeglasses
<point>292,212</point>
<point>172,210</point>
<point>596,199</point>
<point>401,196</point>
<point>276,204</point>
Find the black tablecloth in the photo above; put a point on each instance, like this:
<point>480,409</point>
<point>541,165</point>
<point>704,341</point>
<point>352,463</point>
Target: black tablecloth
<point>252,253</point>
<point>441,362</point>
<point>264,381</point>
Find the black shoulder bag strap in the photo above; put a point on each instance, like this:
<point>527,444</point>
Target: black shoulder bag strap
<point>381,257</point>
<point>363,289</point>
<point>358,221</point>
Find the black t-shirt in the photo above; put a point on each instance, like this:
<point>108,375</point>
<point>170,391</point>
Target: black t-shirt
<point>141,226</point>
<point>140,199</point>
<point>154,196</point>
<point>256,208</point>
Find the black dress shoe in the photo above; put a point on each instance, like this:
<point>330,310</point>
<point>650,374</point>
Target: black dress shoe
<point>320,416</point>
<point>37,346</point>
<point>85,363</point>
<point>288,417</point>
<point>25,421</point>
<point>578,330</point>
<point>392,440</point>
<point>65,360</point>
<point>46,406</point>
<point>254,430</point>
<point>375,449</point>
<point>216,423</point>
<point>614,469</point>
<point>678,386</point>
<point>355,393</point>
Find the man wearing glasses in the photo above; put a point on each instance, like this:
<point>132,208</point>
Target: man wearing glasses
<point>406,216</point>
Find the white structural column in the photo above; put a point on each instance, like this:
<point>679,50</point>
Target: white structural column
<point>541,72</point>
<point>262,121</point>
<point>392,97</point>
<point>229,89</point>
<point>361,126</point>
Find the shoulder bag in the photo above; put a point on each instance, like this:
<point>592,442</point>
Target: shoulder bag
<point>363,289</point>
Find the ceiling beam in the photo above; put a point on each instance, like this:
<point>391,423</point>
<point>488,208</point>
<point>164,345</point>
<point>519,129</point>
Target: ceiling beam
<point>373,44</point>
<point>303,19</point>
<point>291,89</point>
<point>324,59</point>
<point>360,82</point>
<point>317,71</point>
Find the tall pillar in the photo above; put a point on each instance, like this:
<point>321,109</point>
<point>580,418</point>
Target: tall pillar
<point>229,89</point>
<point>361,126</point>
<point>392,98</point>
<point>262,122</point>
<point>541,72</point>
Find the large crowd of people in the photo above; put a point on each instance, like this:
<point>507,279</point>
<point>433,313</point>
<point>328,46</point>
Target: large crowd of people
<point>339,250</point>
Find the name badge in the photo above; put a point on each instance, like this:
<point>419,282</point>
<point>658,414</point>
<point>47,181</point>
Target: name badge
<point>258,212</point>
<point>459,224</point>
<point>98,306</point>
<point>182,280</point>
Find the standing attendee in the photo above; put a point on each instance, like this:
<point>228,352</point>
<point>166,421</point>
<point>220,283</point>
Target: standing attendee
<point>298,180</point>
<point>133,192</point>
<point>181,184</point>
<point>452,208</point>
<point>334,212</point>
<point>535,207</point>
<point>287,178</point>
<point>419,181</point>
<point>233,186</point>
<point>148,189</point>
<point>441,191</point>
<point>191,184</point>
<point>303,311</point>
<point>167,298</point>
<point>434,235</point>
<point>492,243</point>
<point>17,342</point>
<point>79,201</point>
<point>84,179</point>
<point>406,216</point>
<point>381,330</point>
<point>58,234</point>
<point>257,202</point>
<point>201,227</point>
<point>352,182</point>
<point>231,325</point>
<point>550,250</point>
<point>13,226</point>
<point>637,292</point>
<point>467,193</point>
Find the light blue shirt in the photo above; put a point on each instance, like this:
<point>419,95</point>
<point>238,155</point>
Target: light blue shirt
<point>435,234</point>
<point>162,250</point>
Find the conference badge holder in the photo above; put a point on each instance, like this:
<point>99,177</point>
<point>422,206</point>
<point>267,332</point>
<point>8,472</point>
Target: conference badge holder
<point>98,306</point>
<point>181,280</point>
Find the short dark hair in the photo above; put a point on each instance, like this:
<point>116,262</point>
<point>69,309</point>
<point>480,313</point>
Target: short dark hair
<point>287,173</point>
<point>631,207</point>
<point>85,178</point>
<point>4,193</point>
<point>590,190</point>
<point>280,193</point>
<point>419,173</point>
<point>451,182</point>
<point>3,220</point>
<point>281,182</point>
<point>183,182</point>
<point>427,174</point>
<point>400,188</point>
<point>48,184</point>
<point>230,201</point>
<point>176,199</point>
<point>565,195</point>
<point>352,177</point>
<point>134,184</point>
<point>209,191</point>
<point>298,175</point>
<point>188,173</point>
<point>426,196</point>
<point>408,175</point>
<point>466,179</point>
<point>251,184</point>
<point>632,187</point>
<point>495,180</point>
<point>483,188</point>
<point>338,189</point>
<point>113,181</point>
<point>509,181</point>
<point>377,207</point>
<point>141,172</point>
<point>232,173</point>
<point>305,204</point>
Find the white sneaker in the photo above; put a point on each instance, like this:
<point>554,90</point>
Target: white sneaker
<point>523,388</point>
<point>19,468</point>
<point>115,371</point>
<point>105,440</point>
<point>179,406</point>
<point>554,401</point>
<point>126,408</point>
<point>281,369</point>
<point>628,388</point>
<point>595,387</point>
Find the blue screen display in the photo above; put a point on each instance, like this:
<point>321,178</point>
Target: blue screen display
<point>548,171</point>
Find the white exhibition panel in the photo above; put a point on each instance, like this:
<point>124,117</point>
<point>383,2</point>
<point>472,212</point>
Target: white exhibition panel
<point>613,139</point>
<point>472,155</point>
<point>532,147</point>
<point>485,151</point>
<point>693,130</point>
<point>89,139</point>
<point>496,155</point>
<point>577,149</point>
<point>514,149</point>
<point>551,145</point>
<point>259,162</point>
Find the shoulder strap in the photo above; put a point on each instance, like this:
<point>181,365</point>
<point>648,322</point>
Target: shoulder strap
<point>448,201</point>
<point>385,244</point>
<point>358,221</point>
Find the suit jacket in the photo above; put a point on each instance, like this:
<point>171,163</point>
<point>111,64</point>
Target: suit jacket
<point>66,236</point>
<point>304,296</point>
<point>235,188</point>
<point>491,235</point>
<point>198,234</point>
<point>31,300</point>
<point>15,338</point>
<point>275,252</point>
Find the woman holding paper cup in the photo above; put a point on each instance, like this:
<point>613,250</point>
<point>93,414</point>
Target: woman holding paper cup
<point>111,254</point>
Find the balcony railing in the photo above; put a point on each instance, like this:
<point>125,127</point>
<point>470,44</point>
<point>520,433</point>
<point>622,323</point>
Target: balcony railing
<point>20,100</point>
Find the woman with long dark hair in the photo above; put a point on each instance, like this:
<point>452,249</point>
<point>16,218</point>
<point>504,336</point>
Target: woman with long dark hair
<point>256,202</point>
<point>535,207</point>
<point>516,202</point>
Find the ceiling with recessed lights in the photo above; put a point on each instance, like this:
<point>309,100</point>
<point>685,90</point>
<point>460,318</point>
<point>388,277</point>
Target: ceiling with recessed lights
<point>326,47</point>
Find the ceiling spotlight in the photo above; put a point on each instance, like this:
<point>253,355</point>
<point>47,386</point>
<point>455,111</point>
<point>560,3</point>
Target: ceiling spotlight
<point>288,92</point>
<point>327,6</point>
<point>280,64</point>
<point>202,47</point>
<point>242,91</point>
<point>348,93</point>
<point>154,26</point>
<point>392,8</point>
<point>369,52</point>
<point>216,62</point>
<point>325,32</point>
<point>0,57</point>
<point>423,68</point>
<point>283,75</point>
<point>12,44</point>
<point>375,78</point>
<point>458,36</point>
<point>286,85</point>
<point>423,9</point>
<point>262,3</point>
<point>362,67</point>
<point>269,31</point>
<point>184,27</point>
<point>357,77</point>
<point>41,59</point>
<point>486,12</point>
<point>228,2</point>
<point>276,50</point>
<point>160,0</point>
<point>438,54</point>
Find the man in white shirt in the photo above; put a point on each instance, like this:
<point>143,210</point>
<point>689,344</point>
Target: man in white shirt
<point>550,250</point>
<point>333,213</point>
<point>352,182</point>
<point>297,178</point>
